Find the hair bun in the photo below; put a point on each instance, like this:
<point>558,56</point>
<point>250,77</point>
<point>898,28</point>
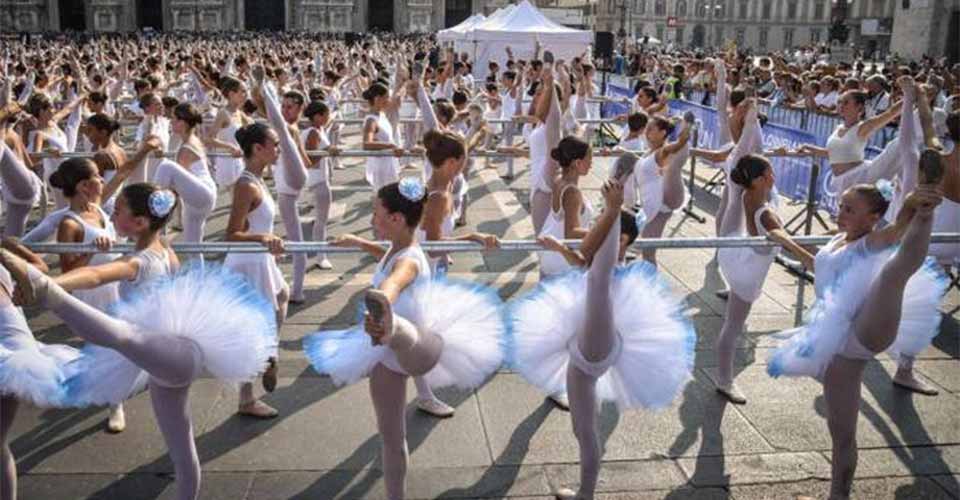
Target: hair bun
<point>56,179</point>
<point>557,155</point>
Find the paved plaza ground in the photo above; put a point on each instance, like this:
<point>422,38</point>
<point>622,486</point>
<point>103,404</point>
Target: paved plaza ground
<point>505,440</point>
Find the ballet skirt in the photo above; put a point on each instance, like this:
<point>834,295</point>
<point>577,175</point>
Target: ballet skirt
<point>233,326</point>
<point>260,269</point>
<point>656,340</point>
<point>808,349</point>
<point>29,369</point>
<point>745,268</point>
<point>227,168</point>
<point>470,322</point>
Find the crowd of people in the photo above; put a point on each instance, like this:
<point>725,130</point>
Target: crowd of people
<point>221,115</point>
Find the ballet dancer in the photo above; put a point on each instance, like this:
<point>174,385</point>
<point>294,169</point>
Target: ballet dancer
<point>405,333</point>
<point>165,331</point>
<point>603,333</point>
<point>316,138</point>
<point>251,219</point>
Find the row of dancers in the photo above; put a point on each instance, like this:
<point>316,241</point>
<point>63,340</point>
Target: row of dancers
<point>427,212</point>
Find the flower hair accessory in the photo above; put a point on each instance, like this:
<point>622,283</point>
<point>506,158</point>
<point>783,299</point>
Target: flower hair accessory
<point>412,189</point>
<point>886,189</point>
<point>641,220</point>
<point>161,202</point>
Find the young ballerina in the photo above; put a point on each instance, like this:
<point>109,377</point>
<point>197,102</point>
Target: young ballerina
<point>229,119</point>
<point>544,137</point>
<point>48,136</point>
<point>744,268</point>
<point>290,174</point>
<point>878,293</point>
<point>603,333</point>
<point>378,135</point>
<point>29,370</point>
<point>570,214</point>
<point>405,333</point>
<point>189,175</point>
<point>86,222</point>
<point>659,177</point>
<point>846,146</point>
<point>153,124</point>
<point>21,186</point>
<point>251,219</point>
<point>316,138</point>
<point>164,332</point>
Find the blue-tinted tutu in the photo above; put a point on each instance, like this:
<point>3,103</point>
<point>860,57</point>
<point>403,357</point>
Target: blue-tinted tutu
<point>811,347</point>
<point>233,325</point>
<point>467,316</point>
<point>656,358</point>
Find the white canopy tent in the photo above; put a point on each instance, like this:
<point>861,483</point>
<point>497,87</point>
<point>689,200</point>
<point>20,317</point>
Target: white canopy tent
<point>520,28</point>
<point>457,35</point>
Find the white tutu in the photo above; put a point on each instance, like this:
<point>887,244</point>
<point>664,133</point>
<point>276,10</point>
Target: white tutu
<point>227,170</point>
<point>467,316</point>
<point>31,370</point>
<point>811,347</point>
<point>231,323</point>
<point>656,358</point>
<point>261,271</point>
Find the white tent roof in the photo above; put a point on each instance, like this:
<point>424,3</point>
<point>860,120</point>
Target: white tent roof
<point>525,23</point>
<point>459,31</point>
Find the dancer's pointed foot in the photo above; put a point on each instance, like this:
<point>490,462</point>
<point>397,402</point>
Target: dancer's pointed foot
<point>907,380</point>
<point>26,289</point>
<point>381,313</point>
<point>117,421</point>
<point>732,393</point>
<point>569,494</point>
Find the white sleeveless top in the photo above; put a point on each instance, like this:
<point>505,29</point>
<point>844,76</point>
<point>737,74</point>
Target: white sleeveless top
<point>446,229</point>
<point>260,219</point>
<point>377,167</point>
<point>649,182</point>
<point>320,170</point>
<point>153,265</point>
<point>55,139</point>
<point>405,301</point>
<point>104,295</point>
<point>846,149</point>
<point>228,168</point>
<point>553,263</point>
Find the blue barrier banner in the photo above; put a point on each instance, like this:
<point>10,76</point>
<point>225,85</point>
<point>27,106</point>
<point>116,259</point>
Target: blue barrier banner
<point>614,109</point>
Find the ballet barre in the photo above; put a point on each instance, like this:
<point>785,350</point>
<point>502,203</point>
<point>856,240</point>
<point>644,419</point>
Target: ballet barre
<point>350,153</point>
<point>128,122</point>
<point>450,246</point>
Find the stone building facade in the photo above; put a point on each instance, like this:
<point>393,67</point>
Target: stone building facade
<point>876,26</point>
<point>402,16</point>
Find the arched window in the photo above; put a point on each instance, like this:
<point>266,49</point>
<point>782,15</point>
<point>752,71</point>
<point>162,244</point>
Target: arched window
<point>681,8</point>
<point>660,8</point>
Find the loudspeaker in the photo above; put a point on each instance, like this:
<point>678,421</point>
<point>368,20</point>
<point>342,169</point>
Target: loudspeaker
<point>603,45</point>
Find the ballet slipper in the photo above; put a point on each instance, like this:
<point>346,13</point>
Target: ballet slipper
<point>568,494</point>
<point>731,393</point>
<point>907,380</point>
<point>257,409</point>
<point>434,407</point>
<point>560,400</point>
<point>117,421</point>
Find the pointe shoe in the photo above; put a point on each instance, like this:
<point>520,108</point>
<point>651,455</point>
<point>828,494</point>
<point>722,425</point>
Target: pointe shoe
<point>25,293</point>
<point>910,382</point>
<point>731,393</point>
<point>117,421</point>
<point>269,378</point>
<point>324,264</point>
<point>435,407</point>
<point>257,409</point>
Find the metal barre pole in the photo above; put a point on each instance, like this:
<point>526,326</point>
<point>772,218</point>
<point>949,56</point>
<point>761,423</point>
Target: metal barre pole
<point>352,153</point>
<point>451,246</point>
